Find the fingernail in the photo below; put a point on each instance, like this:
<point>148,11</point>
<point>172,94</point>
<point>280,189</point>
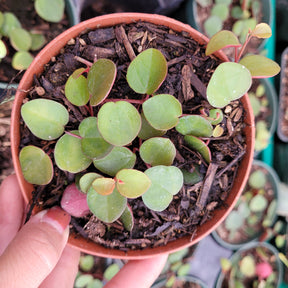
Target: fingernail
<point>57,218</point>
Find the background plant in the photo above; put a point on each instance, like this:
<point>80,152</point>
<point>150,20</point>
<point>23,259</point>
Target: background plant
<point>24,41</point>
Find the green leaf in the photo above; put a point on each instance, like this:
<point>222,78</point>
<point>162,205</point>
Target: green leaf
<point>147,71</point>
<point>158,151</point>
<point>229,82</point>
<point>162,111</point>
<point>45,118</point>
<point>191,178</point>
<point>111,271</point>
<point>38,41</point>
<point>262,30</point>
<point>36,166</point>
<point>215,116</point>
<point>198,145</point>
<point>234,221</point>
<point>257,179</point>
<point>86,262</point>
<point>93,144</point>
<point>247,266</point>
<point>96,283</point>
<point>119,122</point>
<point>220,40</point>
<point>1,19</point>
<point>184,270</point>
<point>165,182</point>
<point>76,88</point>
<point>147,131</point>
<point>260,66</point>
<point>106,208</point>
<point>68,154</point>
<point>258,203</point>
<point>100,80</point>
<point>10,22</point>
<point>51,11</point>
<point>86,181</point>
<point>127,218</point>
<point>195,125</point>
<point>83,280</point>
<point>212,25</point>
<point>119,158</point>
<point>22,60</point>
<point>20,39</point>
<point>221,10</point>
<point>3,49</point>
<point>104,186</point>
<point>132,183</point>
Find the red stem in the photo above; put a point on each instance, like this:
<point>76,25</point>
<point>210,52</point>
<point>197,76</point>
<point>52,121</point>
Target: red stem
<point>73,135</point>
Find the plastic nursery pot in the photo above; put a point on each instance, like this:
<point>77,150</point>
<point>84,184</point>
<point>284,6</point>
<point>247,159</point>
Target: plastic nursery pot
<point>8,91</point>
<point>193,17</point>
<point>190,280</point>
<point>270,119</point>
<point>52,49</point>
<point>282,128</point>
<point>273,180</point>
<point>252,247</point>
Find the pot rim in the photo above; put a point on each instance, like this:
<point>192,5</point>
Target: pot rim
<point>52,49</point>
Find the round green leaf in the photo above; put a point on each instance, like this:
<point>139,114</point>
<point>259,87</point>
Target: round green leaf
<point>198,145</point>
<point>262,30</point>
<point>51,11</point>
<point>194,125</point>
<point>45,118</point>
<point>257,179</point>
<point>119,122</point>
<point>229,82</point>
<point>132,183</point>
<point>111,271</point>
<point>165,182</point>
<point>69,156</point>
<point>258,203</point>
<point>3,49</point>
<point>234,221</point>
<point>260,66</point>
<point>93,144</point>
<point>221,10</point>
<point>162,111</point>
<point>119,158</point>
<point>220,40</point>
<point>86,181</point>
<point>38,41</point>
<point>36,166</point>
<point>212,25</point>
<point>147,71</point>
<point>107,208</point>
<point>86,262</point>
<point>100,80</point>
<point>20,39</point>
<point>83,280</point>
<point>193,177</point>
<point>10,22</point>
<point>104,186</point>
<point>76,88</point>
<point>158,151</point>
<point>21,60</point>
<point>247,266</point>
<point>147,131</point>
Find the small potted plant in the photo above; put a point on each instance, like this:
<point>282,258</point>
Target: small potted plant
<point>254,265</point>
<point>282,128</point>
<point>22,36</point>
<point>95,271</point>
<point>255,212</point>
<point>121,148</point>
<point>210,17</point>
<point>263,99</point>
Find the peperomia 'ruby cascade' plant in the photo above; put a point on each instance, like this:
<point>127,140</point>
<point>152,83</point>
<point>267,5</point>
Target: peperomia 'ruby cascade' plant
<point>103,139</point>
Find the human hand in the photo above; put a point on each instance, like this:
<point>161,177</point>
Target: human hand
<point>37,255</point>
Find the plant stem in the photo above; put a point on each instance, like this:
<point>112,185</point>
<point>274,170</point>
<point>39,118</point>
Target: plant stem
<point>73,135</point>
<point>84,61</point>
<point>132,101</point>
<point>248,38</point>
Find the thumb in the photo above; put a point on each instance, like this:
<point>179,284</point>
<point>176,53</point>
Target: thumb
<point>35,250</point>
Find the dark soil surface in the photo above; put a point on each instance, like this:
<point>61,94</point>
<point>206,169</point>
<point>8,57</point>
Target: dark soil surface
<point>189,70</point>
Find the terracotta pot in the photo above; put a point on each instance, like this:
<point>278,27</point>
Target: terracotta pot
<point>52,49</point>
